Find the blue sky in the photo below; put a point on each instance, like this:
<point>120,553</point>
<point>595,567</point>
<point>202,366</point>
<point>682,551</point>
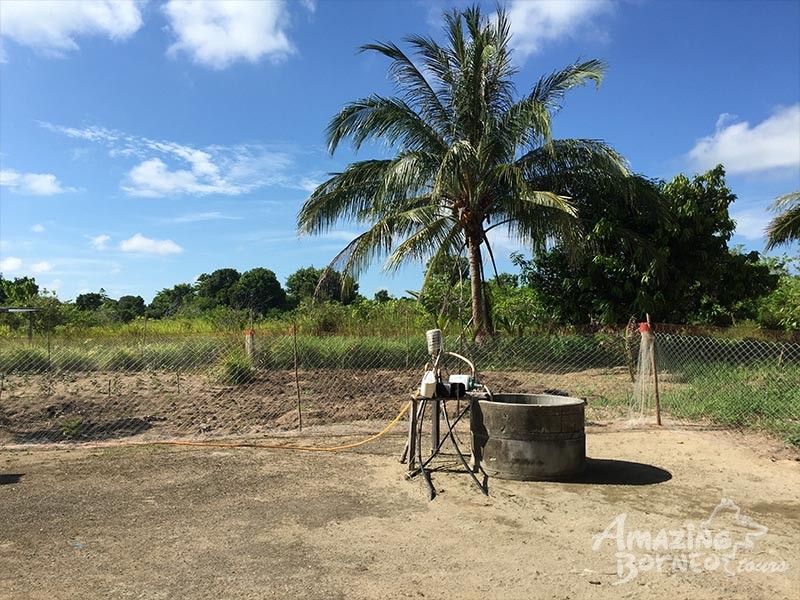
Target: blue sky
<point>144,143</point>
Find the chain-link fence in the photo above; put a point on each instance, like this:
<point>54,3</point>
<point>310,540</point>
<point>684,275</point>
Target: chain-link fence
<point>741,384</point>
<point>211,386</point>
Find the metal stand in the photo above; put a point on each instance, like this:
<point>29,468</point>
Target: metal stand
<point>416,464</point>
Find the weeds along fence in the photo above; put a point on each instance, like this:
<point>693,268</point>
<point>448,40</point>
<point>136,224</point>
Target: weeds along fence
<point>218,385</point>
<point>739,384</point>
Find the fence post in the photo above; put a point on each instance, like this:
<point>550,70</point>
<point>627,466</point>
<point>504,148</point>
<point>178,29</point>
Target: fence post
<point>652,340</point>
<point>250,345</point>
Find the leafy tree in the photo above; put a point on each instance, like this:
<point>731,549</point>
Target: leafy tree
<point>215,289</point>
<point>91,300</point>
<point>258,290</point>
<point>704,280</point>
<point>129,307</point>
<point>52,312</point>
<point>781,308</point>
<point>382,296</point>
<point>785,227</point>
<point>169,301</point>
<point>446,296</point>
<point>21,291</point>
<point>470,156</point>
<point>666,253</point>
<point>607,276</point>
<point>322,284</point>
<point>515,309</point>
<point>3,297</point>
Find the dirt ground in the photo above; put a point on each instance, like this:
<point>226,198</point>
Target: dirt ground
<point>157,522</point>
<point>118,405</point>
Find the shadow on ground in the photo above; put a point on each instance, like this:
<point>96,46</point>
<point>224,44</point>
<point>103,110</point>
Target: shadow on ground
<point>9,478</point>
<point>80,430</point>
<point>604,471</point>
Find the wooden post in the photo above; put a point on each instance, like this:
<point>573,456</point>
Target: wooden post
<point>655,371</point>
<point>411,445</point>
<point>250,345</point>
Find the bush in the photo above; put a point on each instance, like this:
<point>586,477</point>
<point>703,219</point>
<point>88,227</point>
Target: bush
<point>73,428</point>
<point>275,353</point>
<point>75,360</point>
<point>124,359</point>
<point>24,360</point>
<point>235,369</point>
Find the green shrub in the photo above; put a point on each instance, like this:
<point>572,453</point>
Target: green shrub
<point>123,359</point>
<point>73,428</point>
<point>70,359</point>
<point>24,360</point>
<point>234,369</point>
<point>275,353</point>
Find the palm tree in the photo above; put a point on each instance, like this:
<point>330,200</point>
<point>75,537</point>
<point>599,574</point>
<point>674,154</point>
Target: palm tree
<point>785,227</point>
<point>470,156</point>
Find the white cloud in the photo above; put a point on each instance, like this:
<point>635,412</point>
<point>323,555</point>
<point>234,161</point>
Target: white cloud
<point>169,169</point>
<point>139,243</point>
<point>204,216</point>
<point>12,264</point>
<point>32,184</point>
<point>37,228</point>
<point>100,242</point>
<point>41,267</point>
<point>50,27</point>
<point>308,184</point>
<point>504,243</point>
<point>537,22</point>
<point>751,222</point>
<point>741,148</point>
<point>153,178</point>
<point>218,33</point>
<point>54,285</point>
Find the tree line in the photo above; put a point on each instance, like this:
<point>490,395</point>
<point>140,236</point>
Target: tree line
<point>665,253</point>
<point>256,292</point>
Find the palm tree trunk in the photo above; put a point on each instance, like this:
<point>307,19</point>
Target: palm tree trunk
<point>480,318</point>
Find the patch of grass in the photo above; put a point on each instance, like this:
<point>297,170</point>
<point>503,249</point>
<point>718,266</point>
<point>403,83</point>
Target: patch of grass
<point>757,396</point>
<point>234,369</point>
<point>180,356</point>
<point>24,360</point>
<point>124,359</point>
<point>71,359</point>
<point>73,428</point>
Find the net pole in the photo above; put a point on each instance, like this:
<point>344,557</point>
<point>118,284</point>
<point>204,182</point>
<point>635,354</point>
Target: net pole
<point>655,372</point>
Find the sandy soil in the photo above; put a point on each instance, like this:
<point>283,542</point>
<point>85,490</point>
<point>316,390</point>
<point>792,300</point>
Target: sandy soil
<point>115,405</point>
<point>167,522</point>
